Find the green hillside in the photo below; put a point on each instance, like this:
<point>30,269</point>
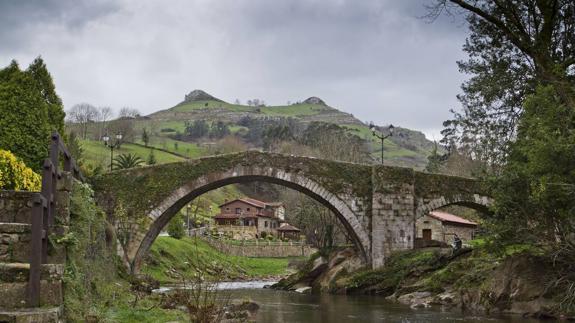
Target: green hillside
<point>166,128</point>
<point>189,256</point>
<point>95,153</point>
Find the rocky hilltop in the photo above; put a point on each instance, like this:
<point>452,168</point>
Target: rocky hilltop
<point>199,95</point>
<point>314,100</point>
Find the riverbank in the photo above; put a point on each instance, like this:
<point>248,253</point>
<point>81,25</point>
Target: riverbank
<point>471,280</point>
<point>170,258</point>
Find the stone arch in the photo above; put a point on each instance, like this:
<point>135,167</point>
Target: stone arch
<point>165,210</point>
<point>475,201</point>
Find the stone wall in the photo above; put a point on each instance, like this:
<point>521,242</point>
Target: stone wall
<point>263,249</point>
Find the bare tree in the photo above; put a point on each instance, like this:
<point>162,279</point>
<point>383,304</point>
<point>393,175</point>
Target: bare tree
<point>83,114</point>
<point>103,116</point>
<point>127,112</point>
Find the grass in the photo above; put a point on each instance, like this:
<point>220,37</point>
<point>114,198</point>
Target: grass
<point>294,110</point>
<point>188,149</point>
<point>197,105</point>
<point>96,154</point>
<point>191,256</point>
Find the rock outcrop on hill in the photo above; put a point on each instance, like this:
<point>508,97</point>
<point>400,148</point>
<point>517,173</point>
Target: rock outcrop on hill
<point>314,100</point>
<point>199,95</point>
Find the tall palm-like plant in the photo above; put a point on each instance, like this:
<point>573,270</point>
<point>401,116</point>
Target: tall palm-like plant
<point>125,161</point>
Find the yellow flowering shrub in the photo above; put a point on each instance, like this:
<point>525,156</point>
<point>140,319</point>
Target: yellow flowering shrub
<point>15,175</point>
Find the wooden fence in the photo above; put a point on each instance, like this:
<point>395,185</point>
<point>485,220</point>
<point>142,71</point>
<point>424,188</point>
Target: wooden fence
<point>44,210</point>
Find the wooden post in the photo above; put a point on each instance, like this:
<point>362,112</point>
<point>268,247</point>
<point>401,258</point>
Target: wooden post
<point>36,250</point>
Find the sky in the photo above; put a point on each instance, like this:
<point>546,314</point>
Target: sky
<point>377,59</point>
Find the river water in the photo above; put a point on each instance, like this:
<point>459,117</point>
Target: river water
<point>282,306</point>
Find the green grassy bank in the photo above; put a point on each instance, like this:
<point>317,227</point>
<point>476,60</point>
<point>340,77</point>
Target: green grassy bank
<point>169,257</point>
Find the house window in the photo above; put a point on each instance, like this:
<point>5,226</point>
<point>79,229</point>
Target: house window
<point>248,209</point>
<point>266,224</point>
<point>238,210</point>
<point>426,222</point>
<point>227,209</point>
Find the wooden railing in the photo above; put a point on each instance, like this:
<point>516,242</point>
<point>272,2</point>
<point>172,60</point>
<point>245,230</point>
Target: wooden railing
<point>43,212</point>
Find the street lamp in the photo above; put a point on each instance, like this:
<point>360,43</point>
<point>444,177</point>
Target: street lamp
<point>381,136</point>
<point>110,145</point>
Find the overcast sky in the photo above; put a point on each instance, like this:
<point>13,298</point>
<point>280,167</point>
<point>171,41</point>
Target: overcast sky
<point>374,58</point>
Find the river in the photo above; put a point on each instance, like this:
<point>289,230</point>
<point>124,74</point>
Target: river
<point>281,306</point>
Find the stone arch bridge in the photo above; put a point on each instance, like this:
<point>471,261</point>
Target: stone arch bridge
<point>378,205</point>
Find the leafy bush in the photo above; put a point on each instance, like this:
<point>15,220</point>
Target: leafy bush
<point>15,175</point>
<point>176,228</point>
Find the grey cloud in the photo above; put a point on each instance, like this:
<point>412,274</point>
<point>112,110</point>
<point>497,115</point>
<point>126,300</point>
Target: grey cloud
<point>20,18</point>
<point>374,58</point>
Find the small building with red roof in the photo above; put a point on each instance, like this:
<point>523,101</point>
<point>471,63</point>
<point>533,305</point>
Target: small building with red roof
<point>443,226</point>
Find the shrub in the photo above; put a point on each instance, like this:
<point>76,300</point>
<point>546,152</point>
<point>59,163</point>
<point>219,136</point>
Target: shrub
<point>176,228</point>
<point>15,175</point>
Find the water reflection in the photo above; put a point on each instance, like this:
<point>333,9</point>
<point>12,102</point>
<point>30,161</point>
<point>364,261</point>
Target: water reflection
<point>281,306</point>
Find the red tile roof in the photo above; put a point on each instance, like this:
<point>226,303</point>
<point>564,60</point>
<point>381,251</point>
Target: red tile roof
<point>447,217</point>
<point>249,201</point>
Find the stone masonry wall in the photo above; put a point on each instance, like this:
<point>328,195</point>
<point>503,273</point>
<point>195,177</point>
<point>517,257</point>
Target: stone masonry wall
<point>263,250</point>
<point>392,223</point>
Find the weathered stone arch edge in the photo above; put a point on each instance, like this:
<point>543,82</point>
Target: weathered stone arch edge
<point>161,215</point>
<point>476,201</point>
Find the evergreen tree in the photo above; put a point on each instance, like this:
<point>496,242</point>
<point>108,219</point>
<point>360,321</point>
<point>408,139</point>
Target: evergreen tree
<point>197,129</point>
<point>219,130</point>
<point>434,160</point>
<point>46,88</point>
<point>151,158</point>
<point>74,147</point>
<point>24,122</point>
<point>145,137</point>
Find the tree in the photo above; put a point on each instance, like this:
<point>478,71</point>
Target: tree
<point>513,47</point>
<point>151,158</point>
<point>433,160</point>
<point>534,194</point>
<point>145,137</point>
<point>125,161</point>
<point>229,144</point>
<point>275,134</point>
<point>103,117</point>
<point>74,147</point>
<point>25,124</point>
<point>219,130</point>
<point>197,129</point>
<point>129,113</point>
<point>329,139</point>
<point>45,86</point>
<point>176,227</point>
<point>83,114</point>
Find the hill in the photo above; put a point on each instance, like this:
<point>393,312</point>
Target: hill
<point>406,148</point>
<point>169,141</point>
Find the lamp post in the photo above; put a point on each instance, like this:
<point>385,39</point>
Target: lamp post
<point>110,145</point>
<point>381,136</point>
<point>188,207</point>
